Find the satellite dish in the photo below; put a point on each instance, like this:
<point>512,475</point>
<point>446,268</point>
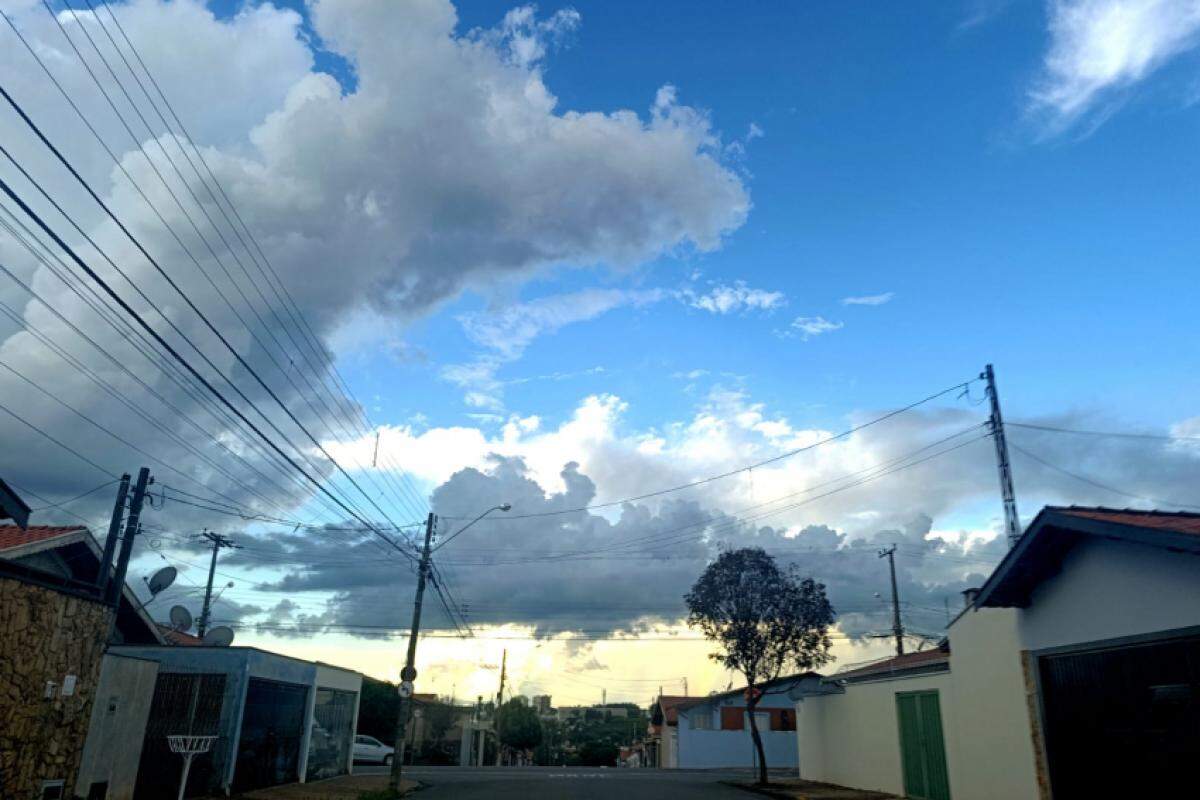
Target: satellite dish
<point>161,579</point>
<point>220,636</point>
<point>181,618</point>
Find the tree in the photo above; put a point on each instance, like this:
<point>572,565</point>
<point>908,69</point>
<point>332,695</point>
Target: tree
<point>377,709</point>
<point>765,620</point>
<point>518,726</point>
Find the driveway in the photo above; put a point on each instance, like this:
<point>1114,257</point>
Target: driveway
<point>527,783</point>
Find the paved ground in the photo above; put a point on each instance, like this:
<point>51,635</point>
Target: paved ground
<point>528,783</point>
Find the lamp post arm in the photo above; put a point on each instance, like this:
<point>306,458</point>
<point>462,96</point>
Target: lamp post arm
<point>447,540</point>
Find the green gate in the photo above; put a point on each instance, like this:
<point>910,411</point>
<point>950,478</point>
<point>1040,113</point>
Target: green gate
<point>922,747</point>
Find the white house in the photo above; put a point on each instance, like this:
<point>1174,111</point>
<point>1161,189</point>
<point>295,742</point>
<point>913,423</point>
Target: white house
<point>714,731</point>
<point>1073,672</point>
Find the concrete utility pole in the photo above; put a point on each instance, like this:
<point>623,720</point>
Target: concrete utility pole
<point>409,673</point>
<point>1012,523</point>
<point>500,702</point>
<point>218,541</point>
<point>897,628</point>
<point>685,692</point>
<point>132,526</point>
<point>114,533</point>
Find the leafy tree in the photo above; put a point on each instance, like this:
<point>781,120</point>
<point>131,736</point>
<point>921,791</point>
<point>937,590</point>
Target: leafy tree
<point>598,754</point>
<point>377,710</point>
<point>518,726</point>
<point>766,620</point>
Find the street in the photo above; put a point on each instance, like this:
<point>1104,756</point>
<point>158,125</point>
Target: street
<point>566,782</point>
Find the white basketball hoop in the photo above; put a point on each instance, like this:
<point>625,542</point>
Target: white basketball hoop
<point>189,746</point>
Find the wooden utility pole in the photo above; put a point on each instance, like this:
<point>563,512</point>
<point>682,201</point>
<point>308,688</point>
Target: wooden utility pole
<point>897,628</point>
<point>132,526</point>
<point>409,673</point>
<point>114,533</point>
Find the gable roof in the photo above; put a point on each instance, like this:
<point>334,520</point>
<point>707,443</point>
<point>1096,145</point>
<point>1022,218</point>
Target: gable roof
<point>13,537</point>
<point>16,543</point>
<point>920,662</point>
<point>1038,554</point>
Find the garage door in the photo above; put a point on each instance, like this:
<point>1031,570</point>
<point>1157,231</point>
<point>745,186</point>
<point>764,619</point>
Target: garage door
<point>1122,721</point>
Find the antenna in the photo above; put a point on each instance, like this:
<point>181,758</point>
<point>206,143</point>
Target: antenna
<point>220,636</point>
<point>161,580</point>
<point>181,618</point>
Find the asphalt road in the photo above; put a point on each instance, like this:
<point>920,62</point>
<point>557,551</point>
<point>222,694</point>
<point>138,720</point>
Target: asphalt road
<point>534,783</point>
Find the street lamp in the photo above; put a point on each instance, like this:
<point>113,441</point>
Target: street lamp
<point>409,673</point>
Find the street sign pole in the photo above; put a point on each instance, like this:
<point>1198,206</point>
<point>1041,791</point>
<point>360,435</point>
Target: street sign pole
<point>409,673</point>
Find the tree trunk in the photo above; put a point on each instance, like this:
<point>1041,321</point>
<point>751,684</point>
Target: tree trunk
<point>758,745</point>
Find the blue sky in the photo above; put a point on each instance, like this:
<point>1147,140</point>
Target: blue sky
<point>898,155</point>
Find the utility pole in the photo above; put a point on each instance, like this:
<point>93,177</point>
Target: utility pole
<point>114,533</point>
<point>218,541</point>
<point>132,526</point>
<point>897,628</point>
<point>685,691</point>
<point>500,701</point>
<point>1012,523</point>
<point>409,673</point>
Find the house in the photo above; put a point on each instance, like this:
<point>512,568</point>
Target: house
<point>54,626</point>
<point>13,507</point>
<point>276,719</point>
<point>1073,672</point>
<point>714,731</point>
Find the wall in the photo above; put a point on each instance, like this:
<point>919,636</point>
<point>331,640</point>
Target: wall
<point>118,726</point>
<point>991,725</point>
<point>853,739</point>
<point>45,635</point>
<point>1101,593</point>
<point>717,748</point>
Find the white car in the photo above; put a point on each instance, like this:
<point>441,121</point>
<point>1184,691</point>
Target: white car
<point>370,750</point>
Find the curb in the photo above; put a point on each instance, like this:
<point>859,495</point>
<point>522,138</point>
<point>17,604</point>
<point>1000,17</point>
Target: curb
<point>765,791</point>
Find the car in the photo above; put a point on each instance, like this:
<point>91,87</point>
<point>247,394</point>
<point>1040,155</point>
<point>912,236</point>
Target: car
<point>370,750</point>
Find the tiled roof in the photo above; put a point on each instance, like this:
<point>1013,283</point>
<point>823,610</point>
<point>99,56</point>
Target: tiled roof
<point>922,659</point>
<point>11,536</point>
<point>1178,522</point>
<point>672,704</point>
<point>179,637</point>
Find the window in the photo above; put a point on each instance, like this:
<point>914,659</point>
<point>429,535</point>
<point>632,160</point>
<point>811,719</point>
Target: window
<point>701,719</point>
<point>733,719</point>
<point>52,790</point>
<point>783,719</point>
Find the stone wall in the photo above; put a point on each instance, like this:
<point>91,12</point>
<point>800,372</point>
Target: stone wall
<point>46,635</point>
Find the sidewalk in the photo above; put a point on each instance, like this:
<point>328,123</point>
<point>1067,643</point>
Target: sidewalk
<point>347,787</point>
<point>796,789</point>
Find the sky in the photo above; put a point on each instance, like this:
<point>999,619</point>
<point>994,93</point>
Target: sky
<point>569,254</point>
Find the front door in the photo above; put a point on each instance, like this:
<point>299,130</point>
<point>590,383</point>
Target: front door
<point>922,748</point>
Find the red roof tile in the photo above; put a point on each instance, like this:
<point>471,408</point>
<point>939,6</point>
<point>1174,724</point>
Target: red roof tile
<point>1178,522</point>
<point>921,658</point>
<point>11,536</point>
<point>178,637</point>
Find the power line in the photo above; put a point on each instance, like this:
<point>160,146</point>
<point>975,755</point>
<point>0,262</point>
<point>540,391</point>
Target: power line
<point>748,467</point>
<point>1098,484</point>
<point>1110,434</point>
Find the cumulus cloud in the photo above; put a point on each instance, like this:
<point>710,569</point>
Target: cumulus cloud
<point>808,327</point>
<point>447,166</point>
<point>1099,48</point>
<point>733,298</point>
<point>869,299</point>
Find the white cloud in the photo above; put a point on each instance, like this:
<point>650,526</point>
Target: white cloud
<point>809,327</point>
<point>869,300</point>
<point>1100,47</point>
<point>727,299</point>
<point>448,167</point>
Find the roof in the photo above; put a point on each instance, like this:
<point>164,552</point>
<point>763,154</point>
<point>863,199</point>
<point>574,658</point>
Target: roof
<point>12,506</point>
<point>180,638</point>
<point>1038,554</point>
<point>920,662</point>
<point>12,536</point>
<point>671,705</point>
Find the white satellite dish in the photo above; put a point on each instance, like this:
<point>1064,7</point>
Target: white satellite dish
<point>220,636</point>
<point>181,618</point>
<point>161,580</point>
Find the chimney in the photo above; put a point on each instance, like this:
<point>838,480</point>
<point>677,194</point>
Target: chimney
<point>969,596</point>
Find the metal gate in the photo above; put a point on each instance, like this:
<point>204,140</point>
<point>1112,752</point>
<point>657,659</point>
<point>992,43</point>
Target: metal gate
<point>922,747</point>
<point>183,703</point>
<point>272,729</point>
<point>1123,720</point>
